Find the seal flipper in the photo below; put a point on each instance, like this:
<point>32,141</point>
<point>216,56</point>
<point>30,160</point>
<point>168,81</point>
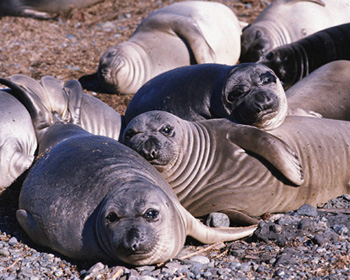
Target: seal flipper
<point>208,235</point>
<point>187,29</point>
<point>13,162</point>
<point>75,96</point>
<point>239,218</point>
<point>30,226</point>
<point>271,148</point>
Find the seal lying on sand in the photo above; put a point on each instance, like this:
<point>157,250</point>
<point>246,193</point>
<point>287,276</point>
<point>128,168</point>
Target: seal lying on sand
<point>183,33</point>
<point>246,93</point>
<point>216,165</point>
<point>294,61</point>
<point>95,116</point>
<point>286,21</point>
<point>17,139</point>
<point>90,197</point>
<point>40,8</point>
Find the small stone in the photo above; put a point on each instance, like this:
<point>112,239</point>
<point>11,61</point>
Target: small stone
<point>13,241</point>
<point>216,219</point>
<point>307,210</point>
<point>200,259</point>
<point>4,252</point>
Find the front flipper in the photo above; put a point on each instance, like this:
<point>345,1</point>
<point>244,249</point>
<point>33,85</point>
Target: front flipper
<point>188,30</point>
<point>239,218</point>
<point>31,227</point>
<point>271,148</point>
<point>304,113</point>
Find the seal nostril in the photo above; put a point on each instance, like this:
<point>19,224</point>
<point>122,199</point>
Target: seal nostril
<point>135,246</point>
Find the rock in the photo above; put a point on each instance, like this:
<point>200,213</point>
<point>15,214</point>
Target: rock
<point>216,219</point>
<point>307,210</point>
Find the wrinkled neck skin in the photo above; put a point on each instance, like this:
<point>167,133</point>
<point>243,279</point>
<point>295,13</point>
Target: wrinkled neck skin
<point>190,164</point>
<point>300,60</point>
<point>276,33</point>
<point>130,68</point>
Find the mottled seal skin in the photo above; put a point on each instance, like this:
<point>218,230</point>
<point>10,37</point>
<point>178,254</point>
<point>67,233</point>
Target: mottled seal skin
<point>286,21</point>
<point>180,34</point>
<point>41,9</point>
<point>218,166</point>
<point>91,198</point>
<point>294,61</point>
<point>17,139</point>
<point>95,116</point>
<point>324,92</point>
<point>245,93</point>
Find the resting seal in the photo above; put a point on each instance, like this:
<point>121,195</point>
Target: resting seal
<point>326,92</point>
<point>216,165</point>
<point>180,34</point>
<point>244,93</point>
<point>17,139</point>
<point>95,116</point>
<point>286,21</point>
<point>40,8</point>
<point>89,197</point>
<point>294,61</point>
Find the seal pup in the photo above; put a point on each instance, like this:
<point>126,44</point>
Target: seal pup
<point>325,91</point>
<point>41,9</point>
<point>294,61</point>
<point>17,139</point>
<point>183,33</point>
<point>89,197</point>
<point>246,93</point>
<point>95,116</point>
<point>218,166</point>
<point>286,21</point>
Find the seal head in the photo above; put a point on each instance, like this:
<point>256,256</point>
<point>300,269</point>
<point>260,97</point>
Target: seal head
<point>139,225</point>
<point>254,95</point>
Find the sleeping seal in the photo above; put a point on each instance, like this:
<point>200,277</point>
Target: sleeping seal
<point>183,33</point>
<point>246,93</point>
<point>95,116</point>
<point>17,139</point>
<point>216,165</point>
<point>40,8</point>
<point>294,61</point>
<point>89,197</point>
<point>286,21</point>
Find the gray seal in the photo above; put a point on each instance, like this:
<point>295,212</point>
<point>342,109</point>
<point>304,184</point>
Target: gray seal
<point>180,34</point>
<point>294,61</point>
<point>42,9</point>
<point>218,166</point>
<point>91,198</point>
<point>246,93</point>
<point>17,139</point>
<point>286,21</point>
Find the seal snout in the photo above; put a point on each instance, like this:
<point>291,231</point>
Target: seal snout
<point>132,242</point>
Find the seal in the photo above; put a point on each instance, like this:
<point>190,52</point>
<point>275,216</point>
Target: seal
<point>17,139</point>
<point>219,166</point>
<point>41,9</point>
<point>95,116</point>
<point>246,93</point>
<point>294,61</point>
<point>286,21</point>
<point>180,34</point>
<point>325,91</point>
<point>89,197</point>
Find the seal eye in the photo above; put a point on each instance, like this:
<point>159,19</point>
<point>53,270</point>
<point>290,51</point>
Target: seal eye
<point>236,92</point>
<point>267,78</point>
<point>167,129</point>
<point>112,218</point>
<point>151,214</point>
<point>130,134</point>
<point>270,56</point>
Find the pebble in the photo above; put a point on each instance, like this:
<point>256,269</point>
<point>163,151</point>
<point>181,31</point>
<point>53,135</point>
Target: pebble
<point>295,245</point>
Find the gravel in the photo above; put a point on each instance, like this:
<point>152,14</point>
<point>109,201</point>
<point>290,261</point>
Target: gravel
<point>308,243</point>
